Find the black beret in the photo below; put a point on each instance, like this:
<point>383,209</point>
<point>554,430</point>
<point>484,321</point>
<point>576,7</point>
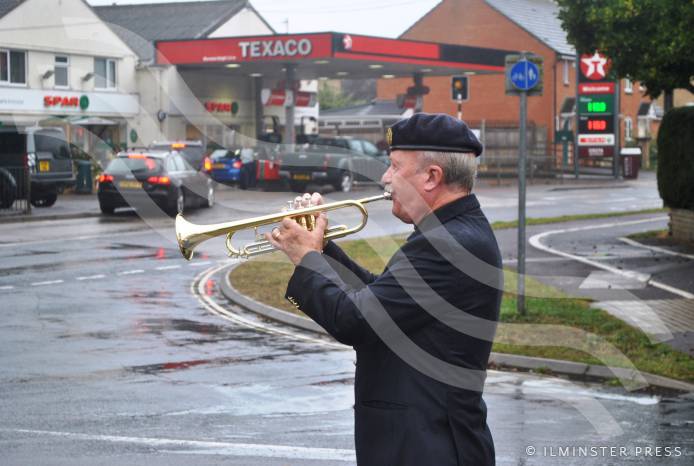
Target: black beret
<point>433,131</point>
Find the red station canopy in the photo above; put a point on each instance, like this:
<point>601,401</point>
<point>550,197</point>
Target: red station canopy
<point>329,55</point>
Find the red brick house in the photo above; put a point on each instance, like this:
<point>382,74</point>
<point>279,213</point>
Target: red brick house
<point>530,25</point>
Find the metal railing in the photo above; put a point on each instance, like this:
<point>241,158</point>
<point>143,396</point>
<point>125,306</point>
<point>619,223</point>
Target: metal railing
<point>15,191</point>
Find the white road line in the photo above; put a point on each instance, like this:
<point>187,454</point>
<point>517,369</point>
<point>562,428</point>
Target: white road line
<point>215,308</point>
<point>8,287</point>
<point>167,267</point>
<point>199,264</point>
<point>91,277</point>
<point>220,448</point>
<point>536,242</point>
<point>131,272</point>
<point>636,244</point>
<point>49,282</point>
<point>76,238</point>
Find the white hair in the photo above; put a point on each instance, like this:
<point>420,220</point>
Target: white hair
<point>459,168</point>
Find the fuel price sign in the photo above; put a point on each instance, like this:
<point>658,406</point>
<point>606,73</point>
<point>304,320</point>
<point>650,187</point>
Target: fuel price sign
<point>595,103</point>
<point>596,124</point>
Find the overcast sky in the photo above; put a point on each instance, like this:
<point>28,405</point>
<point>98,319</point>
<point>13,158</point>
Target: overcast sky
<point>385,18</point>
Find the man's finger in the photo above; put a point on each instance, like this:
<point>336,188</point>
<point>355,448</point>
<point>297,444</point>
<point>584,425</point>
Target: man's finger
<point>306,200</point>
<point>275,243</point>
<point>321,223</point>
<point>316,199</point>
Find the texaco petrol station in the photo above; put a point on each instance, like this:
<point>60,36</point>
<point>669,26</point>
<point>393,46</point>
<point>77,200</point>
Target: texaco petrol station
<point>274,65</point>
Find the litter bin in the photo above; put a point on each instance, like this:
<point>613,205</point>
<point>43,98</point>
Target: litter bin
<point>631,162</point>
<point>83,181</point>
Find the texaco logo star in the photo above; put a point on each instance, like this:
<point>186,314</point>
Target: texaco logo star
<point>594,66</point>
<point>347,42</point>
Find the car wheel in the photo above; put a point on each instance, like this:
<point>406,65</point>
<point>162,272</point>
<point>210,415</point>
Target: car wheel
<point>345,183</point>
<point>107,209</point>
<point>297,187</point>
<point>209,202</point>
<point>178,204</point>
<point>46,200</point>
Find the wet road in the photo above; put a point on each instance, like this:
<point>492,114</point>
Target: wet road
<point>112,353</point>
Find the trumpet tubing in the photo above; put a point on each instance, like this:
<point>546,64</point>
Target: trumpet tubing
<point>190,235</point>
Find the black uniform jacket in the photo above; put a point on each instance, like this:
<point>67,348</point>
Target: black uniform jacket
<point>422,331</point>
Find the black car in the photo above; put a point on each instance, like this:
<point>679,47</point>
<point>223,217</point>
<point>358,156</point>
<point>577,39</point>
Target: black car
<point>134,179</point>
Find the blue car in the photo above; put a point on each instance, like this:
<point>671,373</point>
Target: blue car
<point>226,166</point>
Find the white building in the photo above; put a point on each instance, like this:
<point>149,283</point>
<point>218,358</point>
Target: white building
<point>195,104</point>
<point>60,65</point>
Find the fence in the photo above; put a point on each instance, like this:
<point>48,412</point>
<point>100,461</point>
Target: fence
<point>14,191</point>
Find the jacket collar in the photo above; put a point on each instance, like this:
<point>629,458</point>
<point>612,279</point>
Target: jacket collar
<point>448,211</point>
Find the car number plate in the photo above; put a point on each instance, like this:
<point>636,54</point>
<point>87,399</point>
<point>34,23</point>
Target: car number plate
<point>44,166</point>
<point>130,184</point>
<point>218,165</point>
<point>301,176</point>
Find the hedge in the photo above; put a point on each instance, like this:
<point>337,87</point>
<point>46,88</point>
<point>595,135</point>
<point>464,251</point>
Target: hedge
<point>676,158</point>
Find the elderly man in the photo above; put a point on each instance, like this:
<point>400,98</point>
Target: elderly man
<point>422,329</point>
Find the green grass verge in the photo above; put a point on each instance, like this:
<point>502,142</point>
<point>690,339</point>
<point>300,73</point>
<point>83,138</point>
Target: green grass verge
<point>265,279</point>
<point>500,225</point>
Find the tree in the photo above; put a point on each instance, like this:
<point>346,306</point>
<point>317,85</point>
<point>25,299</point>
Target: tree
<point>332,96</point>
<point>650,41</point>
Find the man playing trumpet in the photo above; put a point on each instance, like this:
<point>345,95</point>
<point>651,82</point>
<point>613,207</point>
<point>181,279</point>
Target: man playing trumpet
<point>423,329</point>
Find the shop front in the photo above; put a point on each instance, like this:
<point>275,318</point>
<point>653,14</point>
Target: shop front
<point>95,123</point>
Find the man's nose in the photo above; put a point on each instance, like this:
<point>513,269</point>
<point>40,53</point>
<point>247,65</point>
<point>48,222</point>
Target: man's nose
<point>385,179</point>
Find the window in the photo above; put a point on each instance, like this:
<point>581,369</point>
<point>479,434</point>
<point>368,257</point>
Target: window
<point>60,71</point>
<point>628,86</point>
<point>13,67</point>
<point>104,73</point>
<point>370,149</point>
<point>565,72</point>
<point>628,129</point>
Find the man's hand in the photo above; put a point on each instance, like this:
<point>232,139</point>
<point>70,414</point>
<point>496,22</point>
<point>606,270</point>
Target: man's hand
<point>293,239</point>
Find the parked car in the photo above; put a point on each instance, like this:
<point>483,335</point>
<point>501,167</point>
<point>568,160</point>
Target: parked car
<point>226,166</point>
<point>45,152</point>
<point>192,151</point>
<point>160,176</point>
<point>339,161</point>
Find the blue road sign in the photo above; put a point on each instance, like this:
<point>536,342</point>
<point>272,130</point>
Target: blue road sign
<point>525,75</point>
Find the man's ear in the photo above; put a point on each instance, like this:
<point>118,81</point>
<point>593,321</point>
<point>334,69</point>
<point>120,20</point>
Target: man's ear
<point>434,177</point>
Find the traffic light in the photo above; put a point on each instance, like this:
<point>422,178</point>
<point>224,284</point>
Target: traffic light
<point>459,88</point>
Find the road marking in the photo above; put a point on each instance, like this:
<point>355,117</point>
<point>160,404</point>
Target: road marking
<point>208,447</point>
<point>77,238</point>
<point>199,264</point>
<point>8,287</point>
<point>631,242</point>
<point>197,288</point>
<point>131,272</point>
<point>536,242</point>
<point>49,282</point>
<point>167,267</point>
<point>92,277</point>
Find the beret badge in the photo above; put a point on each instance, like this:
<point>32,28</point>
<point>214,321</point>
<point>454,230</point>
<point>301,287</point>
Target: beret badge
<point>389,136</point>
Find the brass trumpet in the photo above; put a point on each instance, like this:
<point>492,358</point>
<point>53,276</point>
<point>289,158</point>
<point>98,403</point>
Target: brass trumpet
<point>189,235</point>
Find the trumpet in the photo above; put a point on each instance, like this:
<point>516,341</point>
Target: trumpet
<point>190,235</point>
